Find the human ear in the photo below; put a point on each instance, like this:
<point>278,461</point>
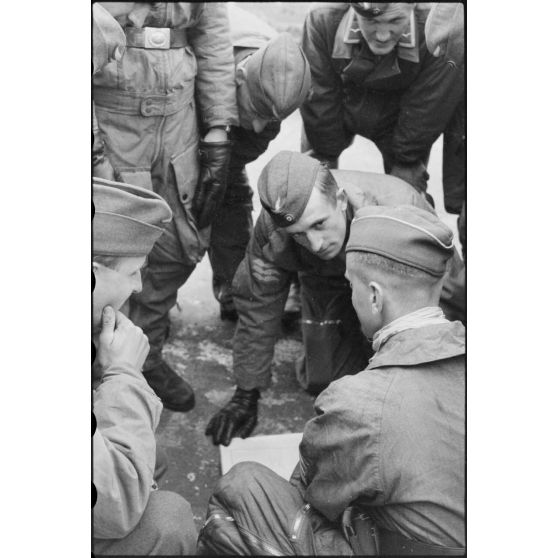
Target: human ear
<point>240,75</point>
<point>376,297</point>
<point>342,199</point>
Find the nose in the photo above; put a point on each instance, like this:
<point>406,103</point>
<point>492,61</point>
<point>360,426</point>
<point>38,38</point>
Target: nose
<point>315,241</point>
<point>259,124</point>
<point>382,35</point>
<point>138,285</point>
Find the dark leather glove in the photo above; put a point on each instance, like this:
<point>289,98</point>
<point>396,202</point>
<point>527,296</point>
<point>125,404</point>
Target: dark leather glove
<point>237,418</point>
<point>212,182</point>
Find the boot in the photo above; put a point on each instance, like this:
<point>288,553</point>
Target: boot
<point>175,393</point>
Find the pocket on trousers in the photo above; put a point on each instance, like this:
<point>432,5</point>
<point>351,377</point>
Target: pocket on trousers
<point>185,166</point>
<point>135,176</point>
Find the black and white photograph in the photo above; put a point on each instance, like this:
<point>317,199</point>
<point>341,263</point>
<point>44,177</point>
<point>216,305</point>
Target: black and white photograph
<point>306,252</point>
<point>279,247</point>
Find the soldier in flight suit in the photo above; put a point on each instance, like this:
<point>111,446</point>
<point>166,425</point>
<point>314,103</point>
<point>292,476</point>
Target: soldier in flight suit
<point>177,66</point>
<point>304,228</point>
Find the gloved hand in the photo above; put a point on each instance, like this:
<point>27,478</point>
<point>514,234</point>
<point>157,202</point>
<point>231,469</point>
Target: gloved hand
<point>212,183</point>
<point>237,418</point>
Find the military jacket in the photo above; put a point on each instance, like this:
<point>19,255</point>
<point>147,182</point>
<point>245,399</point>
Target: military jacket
<point>124,449</point>
<point>261,283</point>
<point>344,68</point>
<point>391,439</point>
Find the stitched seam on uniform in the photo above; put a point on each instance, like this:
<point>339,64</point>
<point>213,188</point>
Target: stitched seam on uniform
<point>405,223</point>
<point>324,323</point>
<point>259,543</point>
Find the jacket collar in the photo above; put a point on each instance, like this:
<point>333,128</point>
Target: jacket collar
<point>348,35</point>
<point>418,346</point>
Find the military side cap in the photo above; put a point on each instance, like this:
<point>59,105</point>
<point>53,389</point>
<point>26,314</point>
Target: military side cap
<point>278,75</point>
<point>370,10</point>
<point>406,234</point>
<point>128,220</point>
<point>285,185</point>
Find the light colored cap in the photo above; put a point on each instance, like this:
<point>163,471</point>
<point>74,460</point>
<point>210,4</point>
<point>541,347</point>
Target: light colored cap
<point>405,234</point>
<point>278,75</point>
<point>128,220</point>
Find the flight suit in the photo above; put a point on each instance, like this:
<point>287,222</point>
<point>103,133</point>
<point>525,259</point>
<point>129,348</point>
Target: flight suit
<point>145,105</point>
<point>390,440</point>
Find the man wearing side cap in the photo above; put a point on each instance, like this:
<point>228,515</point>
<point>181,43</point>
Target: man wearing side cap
<point>130,516</point>
<point>272,80</point>
<point>381,468</point>
<point>373,76</point>
<point>304,229</point>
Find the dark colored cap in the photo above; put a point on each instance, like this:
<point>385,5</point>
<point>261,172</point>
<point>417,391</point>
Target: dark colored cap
<point>285,185</point>
<point>370,10</point>
<point>403,233</point>
<point>128,220</point>
<point>278,74</point>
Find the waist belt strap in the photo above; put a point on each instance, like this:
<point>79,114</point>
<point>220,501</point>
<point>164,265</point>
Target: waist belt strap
<point>394,544</point>
<point>155,37</point>
<point>125,102</point>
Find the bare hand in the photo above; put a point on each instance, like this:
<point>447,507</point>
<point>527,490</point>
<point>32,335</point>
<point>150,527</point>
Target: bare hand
<point>121,342</point>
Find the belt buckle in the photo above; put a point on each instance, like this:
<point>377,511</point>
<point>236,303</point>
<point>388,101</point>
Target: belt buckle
<point>156,37</point>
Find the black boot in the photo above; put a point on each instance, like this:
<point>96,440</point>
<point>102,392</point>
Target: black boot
<point>175,393</point>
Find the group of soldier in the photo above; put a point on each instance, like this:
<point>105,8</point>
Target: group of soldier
<point>185,95</point>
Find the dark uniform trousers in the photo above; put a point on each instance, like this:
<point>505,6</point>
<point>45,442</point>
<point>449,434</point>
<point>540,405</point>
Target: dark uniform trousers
<point>230,234</point>
<point>284,524</point>
<point>333,342</point>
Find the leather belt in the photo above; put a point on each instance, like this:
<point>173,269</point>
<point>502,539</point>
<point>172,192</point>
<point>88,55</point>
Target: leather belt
<point>161,38</point>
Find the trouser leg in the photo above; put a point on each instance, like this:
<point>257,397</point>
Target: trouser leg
<point>230,234</point>
<point>166,528</point>
<point>334,345</point>
<point>167,270</point>
<point>254,511</point>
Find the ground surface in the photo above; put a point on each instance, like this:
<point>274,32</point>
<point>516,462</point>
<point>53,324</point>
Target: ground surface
<point>200,349</point>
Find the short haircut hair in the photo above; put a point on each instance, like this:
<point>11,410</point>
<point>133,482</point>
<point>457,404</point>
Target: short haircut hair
<point>391,267</point>
<point>326,184</point>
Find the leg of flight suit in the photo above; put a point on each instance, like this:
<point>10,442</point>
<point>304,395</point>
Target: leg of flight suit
<point>230,234</point>
<point>166,528</point>
<point>334,345</point>
<point>254,511</point>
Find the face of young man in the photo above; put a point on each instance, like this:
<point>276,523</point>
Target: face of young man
<point>113,287</point>
<point>384,31</point>
<point>321,228</point>
<point>248,116</point>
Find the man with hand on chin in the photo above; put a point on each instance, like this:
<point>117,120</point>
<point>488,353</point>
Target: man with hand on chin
<point>131,516</point>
